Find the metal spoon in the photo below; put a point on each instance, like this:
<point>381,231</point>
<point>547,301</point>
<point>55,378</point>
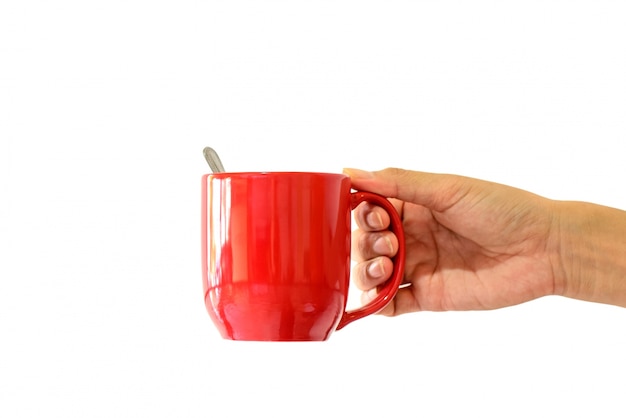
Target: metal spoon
<point>213,159</point>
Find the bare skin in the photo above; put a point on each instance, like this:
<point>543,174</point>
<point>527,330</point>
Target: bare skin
<point>474,245</point>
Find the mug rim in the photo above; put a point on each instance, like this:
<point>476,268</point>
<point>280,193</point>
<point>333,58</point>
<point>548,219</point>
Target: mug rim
<point>257,174</point>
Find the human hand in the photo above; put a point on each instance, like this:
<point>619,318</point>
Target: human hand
<point>470,244</point>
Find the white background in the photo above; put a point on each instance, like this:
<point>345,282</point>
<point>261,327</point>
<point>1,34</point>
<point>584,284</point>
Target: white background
<point>105,107</point>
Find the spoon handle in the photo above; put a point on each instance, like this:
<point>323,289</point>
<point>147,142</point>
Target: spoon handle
<point>213,159</point>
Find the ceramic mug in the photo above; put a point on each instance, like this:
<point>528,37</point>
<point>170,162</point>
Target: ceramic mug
<point>276,254</point>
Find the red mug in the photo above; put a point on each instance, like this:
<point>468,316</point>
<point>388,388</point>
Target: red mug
<point>276,254</point>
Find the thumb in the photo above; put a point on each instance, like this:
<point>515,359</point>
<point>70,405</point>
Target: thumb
<point>435,191</point>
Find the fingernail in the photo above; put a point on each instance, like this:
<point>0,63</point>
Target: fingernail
<point>376,269</point>
<point>374,220</point>
<point>355,173</point>
<point>383,246</point>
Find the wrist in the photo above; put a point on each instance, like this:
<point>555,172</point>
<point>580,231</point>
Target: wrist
<point>590,256</point>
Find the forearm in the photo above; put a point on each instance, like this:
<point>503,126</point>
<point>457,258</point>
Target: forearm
<point>592,252</point>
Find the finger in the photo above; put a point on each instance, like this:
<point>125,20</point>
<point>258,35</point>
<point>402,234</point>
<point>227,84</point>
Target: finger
<point>435,191</point>
<point>404,301</point>
<point>370,217</point>
<point>371,273</point>
<point>367,245</point>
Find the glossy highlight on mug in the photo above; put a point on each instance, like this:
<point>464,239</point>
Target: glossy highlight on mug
<point>276,254</point>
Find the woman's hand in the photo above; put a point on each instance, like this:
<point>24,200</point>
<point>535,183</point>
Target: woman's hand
<point>470,244</point>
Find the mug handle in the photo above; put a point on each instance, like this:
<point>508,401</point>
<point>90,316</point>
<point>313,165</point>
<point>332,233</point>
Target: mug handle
<point>387,291</point>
